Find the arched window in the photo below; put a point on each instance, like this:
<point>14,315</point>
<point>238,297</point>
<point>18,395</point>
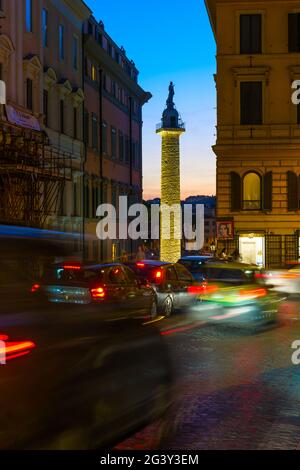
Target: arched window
<point>252,191</point>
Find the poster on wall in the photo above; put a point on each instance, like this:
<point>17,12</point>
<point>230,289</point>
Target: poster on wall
<point>225,230</point>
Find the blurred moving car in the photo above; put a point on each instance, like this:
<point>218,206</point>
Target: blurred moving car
<point>71,378</point>
<point>169,281</point>
<point>286,281</point>
<point>195,263</point>
<point>113,289</point>
<point>231,295</point>
<point>227,272</point>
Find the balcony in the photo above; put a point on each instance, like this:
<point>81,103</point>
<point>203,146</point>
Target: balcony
<point>179,125</point>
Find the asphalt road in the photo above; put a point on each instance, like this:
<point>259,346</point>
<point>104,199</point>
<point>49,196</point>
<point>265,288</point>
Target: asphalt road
<point>234,390</point>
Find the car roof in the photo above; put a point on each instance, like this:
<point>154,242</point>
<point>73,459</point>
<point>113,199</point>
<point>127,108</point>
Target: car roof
<point>232,265</point>
<point>196,258</point>
<point>149,262</point>
<point>87,265</point>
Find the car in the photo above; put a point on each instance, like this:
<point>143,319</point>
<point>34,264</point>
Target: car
<point>228,272</point>
<point>170,281</point>
<point>232,295</point>
<point>112,289</point>
<point>70,377</point>
<point>194,264</point>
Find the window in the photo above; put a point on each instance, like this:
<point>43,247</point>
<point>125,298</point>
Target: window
<point>121,146</point>
<point>86,127</point>
<point>75,123</point>
<point>252,192</point>
<point>90,28</point>
<point>62,116</point>
<point>104,137</point>
<point>61,30</point>
<point>75,53</point>
<point>127,149</point>
<point>94,73</point>
<point>29,16</point>
<point>75,208</point>
<point>29,94</point>
<point>45,106</point>
<point>250,34</point>
<point>294,32</point>
<point>251,103</point>
<point>94,131</point>
<point>45,27</point>
<point>87,199</point>
<point>113,143</point>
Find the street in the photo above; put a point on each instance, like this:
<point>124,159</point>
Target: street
<point>234,390</point>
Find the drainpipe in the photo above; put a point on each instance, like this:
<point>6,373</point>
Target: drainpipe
<point>101,144</point>
<point>130,158</point>
<point>84,143</point>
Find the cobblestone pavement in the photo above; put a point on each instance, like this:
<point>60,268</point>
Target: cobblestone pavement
<point>234,390</point>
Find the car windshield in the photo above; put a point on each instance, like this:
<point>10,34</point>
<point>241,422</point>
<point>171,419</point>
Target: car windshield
<point>193,265</point>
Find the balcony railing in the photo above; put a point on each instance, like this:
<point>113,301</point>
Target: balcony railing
<point>161,125</point>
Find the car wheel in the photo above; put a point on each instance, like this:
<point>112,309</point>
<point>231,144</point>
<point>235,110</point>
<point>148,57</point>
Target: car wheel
<point>167,307</point>
<point>153,310</point>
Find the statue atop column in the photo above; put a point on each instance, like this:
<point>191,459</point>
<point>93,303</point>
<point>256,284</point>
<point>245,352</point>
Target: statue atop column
<point>170,102</point>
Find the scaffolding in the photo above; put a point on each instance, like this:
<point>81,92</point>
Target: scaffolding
<point>32,176</point>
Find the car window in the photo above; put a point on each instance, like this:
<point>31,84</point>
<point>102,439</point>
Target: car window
<point>232,274</point>
<point>170,274</point>
<point>211,273</point>
<point>183,273</point>
<point>131,277</point>
<point>116,275</point>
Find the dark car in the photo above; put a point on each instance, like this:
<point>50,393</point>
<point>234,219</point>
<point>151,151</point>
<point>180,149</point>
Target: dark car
<point>112,289</point>
<point>195,263</point>
<point>171,283</point>
<point>70,377</point>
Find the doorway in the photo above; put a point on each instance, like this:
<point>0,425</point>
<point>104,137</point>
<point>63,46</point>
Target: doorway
<point>252,249</point>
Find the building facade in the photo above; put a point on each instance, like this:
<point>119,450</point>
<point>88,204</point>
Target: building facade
<point>258,127</point>
<point>42,123</point>
<point>113,135</point>
<point>71,129</point>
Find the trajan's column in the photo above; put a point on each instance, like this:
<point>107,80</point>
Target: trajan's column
<point>170,130</point>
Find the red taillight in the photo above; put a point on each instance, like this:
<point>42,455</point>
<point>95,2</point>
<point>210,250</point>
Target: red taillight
<point>140,265</point>
<point>157,276</point>
<point>261,276</point>
<point>253,293</point>
<point>35,287</point>
<point>72,267</point>
<point>13,349</point>
<point>204,289</point>
<point>98,293</point>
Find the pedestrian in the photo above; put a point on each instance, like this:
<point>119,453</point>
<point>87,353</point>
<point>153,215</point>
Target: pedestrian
<point>235,255</point>
<point>223,254</point>
<point>140,256</point>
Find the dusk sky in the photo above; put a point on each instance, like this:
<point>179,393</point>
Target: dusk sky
<point>170,40</point>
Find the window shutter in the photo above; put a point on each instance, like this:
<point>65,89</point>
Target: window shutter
<point>236,192</point>
<point>267,188</point>
<point>293,32</point>
<point>245,34</point>
<point>293,192</point>
<point>256,36</point>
